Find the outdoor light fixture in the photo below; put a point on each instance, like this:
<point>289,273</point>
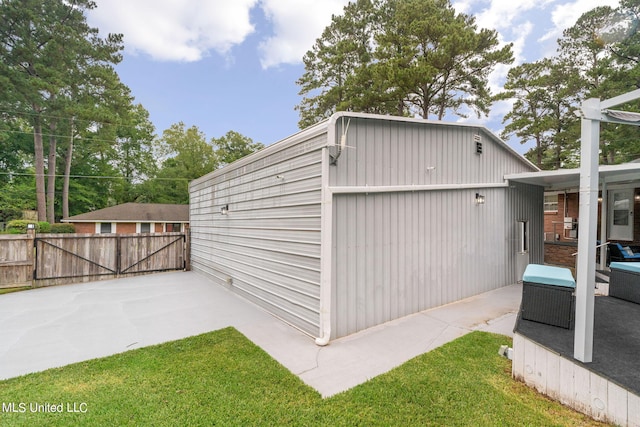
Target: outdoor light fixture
<point>224,210</point>
<point>479,199</point>
<point>31,226</point>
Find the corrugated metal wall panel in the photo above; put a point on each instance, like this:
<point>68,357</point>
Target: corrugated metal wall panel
<point>391,152</point>
<point>392,253</point>
<point>525,203</point>
<point>267,246</point>
<point>401,253</point>
<point>398,253</point>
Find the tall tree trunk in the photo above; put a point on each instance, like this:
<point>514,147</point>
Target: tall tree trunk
<point>443,102</point>
<point>51,174</point>
<point>538,152</point>
<point>441,110</point>
<point>39,161</point>
<point>67,174</point>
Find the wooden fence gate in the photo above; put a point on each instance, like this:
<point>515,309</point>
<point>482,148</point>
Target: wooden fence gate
<point>16,261</point>
<point>65,258</point>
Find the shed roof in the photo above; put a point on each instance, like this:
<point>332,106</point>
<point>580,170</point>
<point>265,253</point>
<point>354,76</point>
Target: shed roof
<point>135,212</point>
<point>570,178</point>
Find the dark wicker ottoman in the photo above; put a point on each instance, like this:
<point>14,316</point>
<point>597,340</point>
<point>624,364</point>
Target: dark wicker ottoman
<point>548,296</point>
<point>624,282</point>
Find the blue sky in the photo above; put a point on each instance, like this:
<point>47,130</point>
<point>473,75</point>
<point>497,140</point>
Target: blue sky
<point>222,65</point>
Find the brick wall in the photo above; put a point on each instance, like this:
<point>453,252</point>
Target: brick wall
<point>85,227</point>
<point>559,253</point>
<point>121,228</point>
<point>572,211</point>
<point>558,216</point>
<point>125,227</point>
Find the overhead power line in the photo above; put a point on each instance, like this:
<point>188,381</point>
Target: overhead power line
<point>48,135</point>
<point>97,176</point>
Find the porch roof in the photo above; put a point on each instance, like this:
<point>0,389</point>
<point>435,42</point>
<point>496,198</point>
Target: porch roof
<point>563,179</point>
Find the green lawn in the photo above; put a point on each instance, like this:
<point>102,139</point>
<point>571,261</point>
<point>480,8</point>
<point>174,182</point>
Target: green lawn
<point>222,378</point>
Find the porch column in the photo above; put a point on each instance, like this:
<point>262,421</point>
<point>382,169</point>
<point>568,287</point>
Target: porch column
<point>587,232</point>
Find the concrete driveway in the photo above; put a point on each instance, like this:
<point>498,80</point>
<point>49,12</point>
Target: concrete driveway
<point>56,326</point>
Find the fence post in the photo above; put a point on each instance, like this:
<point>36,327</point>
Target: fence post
<point>187,250</point>
<point>118,255</point>
<point>31,253</point>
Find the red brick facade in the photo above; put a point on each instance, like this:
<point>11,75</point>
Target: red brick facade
<point>125,227</point>
<point>554,221</point>
<point>131,218</point>
<point>572,211</point>
<point>84,227</point>
<point>559,253</point>
<point>129,227</point>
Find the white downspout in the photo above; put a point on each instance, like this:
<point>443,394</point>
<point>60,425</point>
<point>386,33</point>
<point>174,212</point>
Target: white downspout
<point>326,242</point>
<point>326,209</point>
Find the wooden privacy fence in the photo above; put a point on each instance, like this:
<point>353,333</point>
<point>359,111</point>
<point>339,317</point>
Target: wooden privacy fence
<point>66,258</point>
<point>16,260</point>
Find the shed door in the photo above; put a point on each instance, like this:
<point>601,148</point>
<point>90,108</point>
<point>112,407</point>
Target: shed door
<point>621,214</point>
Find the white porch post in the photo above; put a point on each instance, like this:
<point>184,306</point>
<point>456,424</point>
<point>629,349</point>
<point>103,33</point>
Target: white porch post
<point>587,232</point>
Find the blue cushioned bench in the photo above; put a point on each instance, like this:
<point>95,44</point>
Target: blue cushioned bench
<point>548,295</point>
<point>624,282</point>
<point>619,253</point>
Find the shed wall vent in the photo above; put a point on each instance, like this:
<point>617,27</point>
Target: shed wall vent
<point>478,141</point>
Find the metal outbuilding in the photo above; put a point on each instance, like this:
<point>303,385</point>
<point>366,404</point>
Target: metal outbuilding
<point>362,219</point>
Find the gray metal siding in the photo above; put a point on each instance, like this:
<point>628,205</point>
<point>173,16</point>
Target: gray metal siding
<point>386,152</point>
<point>391,253</point>
<point>267,248</point>
<point>524,203</point>
<point>401,252</point>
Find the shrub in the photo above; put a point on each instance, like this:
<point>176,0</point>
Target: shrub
<point>19,226</point>
<point>63,228</point>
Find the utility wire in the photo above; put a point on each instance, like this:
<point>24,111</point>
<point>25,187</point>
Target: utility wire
<point>63,118</point>
<point>97,176</point>
<point>65,137</point>
<point>88,122</point>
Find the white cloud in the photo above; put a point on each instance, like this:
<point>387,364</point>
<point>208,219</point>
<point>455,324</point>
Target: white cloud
<point>501,14</point>
<point>296,26</point>
<point>565,15</point>
<point>175,30</point>
<point>462,6</point>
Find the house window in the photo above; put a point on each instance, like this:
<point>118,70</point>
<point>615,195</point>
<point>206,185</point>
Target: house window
<point>105,227</point>
<point>174,227</point>
<point>551,203</point>
<point>145,227</point>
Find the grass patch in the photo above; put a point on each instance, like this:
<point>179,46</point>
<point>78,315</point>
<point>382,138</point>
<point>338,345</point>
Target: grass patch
<point>9,290</point>
<point>221,378</point>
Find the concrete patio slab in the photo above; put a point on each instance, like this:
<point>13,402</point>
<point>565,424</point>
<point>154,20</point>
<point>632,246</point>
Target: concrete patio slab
<point>50,327</point>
